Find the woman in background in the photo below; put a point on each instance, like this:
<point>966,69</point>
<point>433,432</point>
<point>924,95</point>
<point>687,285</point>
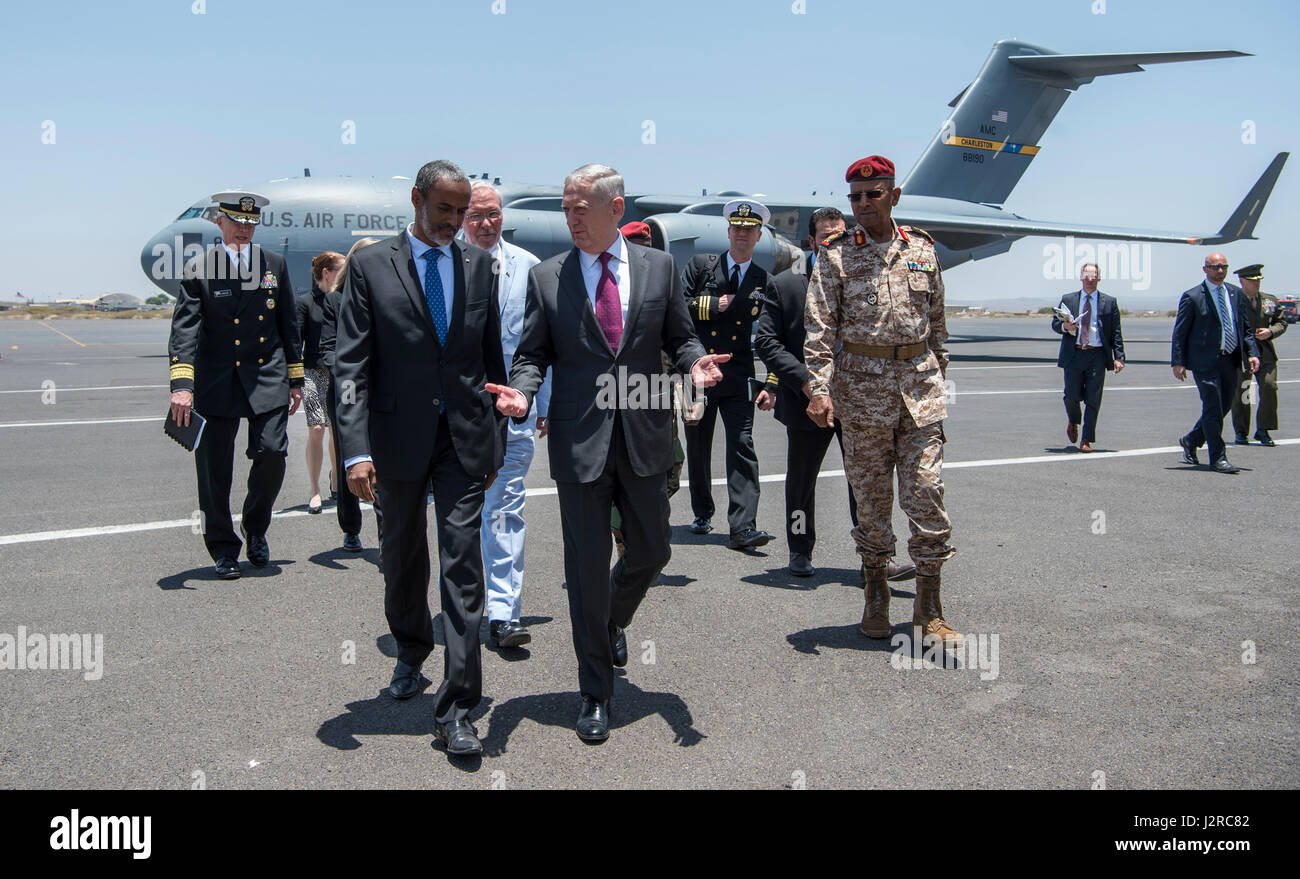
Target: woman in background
<point>326,271</point>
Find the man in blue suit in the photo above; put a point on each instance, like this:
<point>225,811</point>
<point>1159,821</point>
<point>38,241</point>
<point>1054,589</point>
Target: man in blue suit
<point>503,503</point>
<point>1212,338</point>
<point>1090,346</point>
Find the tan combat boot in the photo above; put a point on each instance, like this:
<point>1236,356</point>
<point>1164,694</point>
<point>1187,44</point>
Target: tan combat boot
<point>875,614</point>
<point>927,614</point>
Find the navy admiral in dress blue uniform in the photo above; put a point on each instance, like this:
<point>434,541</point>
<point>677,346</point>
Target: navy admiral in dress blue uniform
<point>725,293</point>
<point>234,353</point>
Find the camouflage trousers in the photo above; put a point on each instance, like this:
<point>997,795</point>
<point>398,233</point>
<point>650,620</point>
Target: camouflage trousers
<point>872,455</point>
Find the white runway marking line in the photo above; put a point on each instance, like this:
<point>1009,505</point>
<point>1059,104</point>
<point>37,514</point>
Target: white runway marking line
<point>106,388</point>
<point>1060,458</point>
<point>79,423</point>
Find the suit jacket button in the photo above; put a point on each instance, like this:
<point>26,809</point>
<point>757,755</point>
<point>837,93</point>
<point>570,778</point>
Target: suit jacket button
<point>737,323</point>
<point>259,317</point>
<point>259,360</point>
<point>263,338</point>
<point>236,363</point>
<point>437,402</point>
<point>711,351</point>
<point>733,338</point>
<point>236,341</point>
<point>714,332</point>
<point>236,320</point>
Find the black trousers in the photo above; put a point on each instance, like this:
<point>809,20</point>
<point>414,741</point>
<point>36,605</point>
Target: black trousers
<point>805,451</point>
<point>1084,379</point>
<point>1216,387</point>
<point>214,462</point>
<point>458,508</point>
<point>742,462</point>
<point>599,597</point>
<point>348,507</point>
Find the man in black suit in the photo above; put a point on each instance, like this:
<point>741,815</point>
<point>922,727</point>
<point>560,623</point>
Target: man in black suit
<point>1213,339</point>
<point>1089,347</point>
<point>725,293</point>
<point>419,335</point>
<point>234,353</point>
<point>598,317</point>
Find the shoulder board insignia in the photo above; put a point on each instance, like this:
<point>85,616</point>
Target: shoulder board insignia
<point>834,239</point>
<point>859,237</point>
<point>924,234</point>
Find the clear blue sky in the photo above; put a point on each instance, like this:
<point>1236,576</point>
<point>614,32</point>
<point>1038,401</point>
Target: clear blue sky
<point>155,107</point>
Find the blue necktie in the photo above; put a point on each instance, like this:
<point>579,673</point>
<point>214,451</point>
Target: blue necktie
<point>1229,330</point>
<point>433,295</point>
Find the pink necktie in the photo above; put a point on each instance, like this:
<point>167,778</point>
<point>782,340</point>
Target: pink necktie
<point>609,309</point>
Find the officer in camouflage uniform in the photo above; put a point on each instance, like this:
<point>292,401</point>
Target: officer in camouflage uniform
<point>875,348</point>
<point>1265,320</point>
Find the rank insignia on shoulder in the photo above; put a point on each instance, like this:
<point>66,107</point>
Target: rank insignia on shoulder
<point>921,266</point>
<point>859,237</point>
<point>834,239</point>
<point>268,281</point>
<point>270,303</point>
<point>924,234</point>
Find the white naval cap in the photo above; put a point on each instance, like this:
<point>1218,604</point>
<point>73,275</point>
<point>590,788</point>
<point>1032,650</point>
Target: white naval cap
<point>746,212</point>
<point>242,207</point>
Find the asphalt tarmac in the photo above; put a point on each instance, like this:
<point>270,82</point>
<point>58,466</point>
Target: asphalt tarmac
<point>1144,614</point>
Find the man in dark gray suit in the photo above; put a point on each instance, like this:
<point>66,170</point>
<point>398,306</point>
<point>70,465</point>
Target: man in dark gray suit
<point>598,316</point>
<point>1213,337</point>
<point>1090,346</point>
<point>419,336</point>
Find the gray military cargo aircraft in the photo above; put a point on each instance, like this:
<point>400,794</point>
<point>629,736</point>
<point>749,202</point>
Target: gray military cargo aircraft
<point>956,190</point>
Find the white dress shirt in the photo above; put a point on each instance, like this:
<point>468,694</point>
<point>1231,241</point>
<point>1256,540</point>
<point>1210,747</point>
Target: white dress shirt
<point>744,267</point>
<point>591,271</point>
<point>238,257</point>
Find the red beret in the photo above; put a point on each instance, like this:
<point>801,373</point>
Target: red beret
<point>635,230</point>
<point>869,168</point>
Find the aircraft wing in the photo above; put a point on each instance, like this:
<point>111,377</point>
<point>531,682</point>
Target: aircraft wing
<point>1240,224</point>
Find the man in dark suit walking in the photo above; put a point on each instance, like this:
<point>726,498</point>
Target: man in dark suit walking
<point>419,336</point>
<point>1213,339</point>
<point>234,353</point>
<point>1089,347</point>
<point>598,317</point>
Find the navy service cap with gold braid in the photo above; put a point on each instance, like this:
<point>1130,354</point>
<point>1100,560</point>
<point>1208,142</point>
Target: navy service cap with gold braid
<point>746,212</point>
<point>242,207</point>
<point>1253,272</point>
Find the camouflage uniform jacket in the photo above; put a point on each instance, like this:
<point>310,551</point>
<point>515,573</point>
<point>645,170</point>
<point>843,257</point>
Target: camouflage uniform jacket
<point>884,295</point>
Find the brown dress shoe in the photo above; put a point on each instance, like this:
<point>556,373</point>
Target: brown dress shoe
<point>927,614</point>
<point>1072,432</point>
<point>875,613</point>
<point>1085,446</point>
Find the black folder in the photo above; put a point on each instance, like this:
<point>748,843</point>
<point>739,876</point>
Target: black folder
<point>186,436</point>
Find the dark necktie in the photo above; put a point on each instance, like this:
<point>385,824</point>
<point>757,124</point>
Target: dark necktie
<point>433,293</point>
<point>735,280</point>
<point>609,309</point>
<point>1085,321</point>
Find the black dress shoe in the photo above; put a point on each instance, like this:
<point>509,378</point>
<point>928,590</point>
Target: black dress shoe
<point>314,510</point>
<point>352,542</point>
<point>1241,440</point>
<point>507,634</point>
<point>896,571</point>
<point>1264,438</point>
<point>701,525</point>
<point>593,720</point>
<point>1224,466</point>
<point>800,564</point>
<point>1189,452</point>
<point>258,550</point>
<point>458,738</point>
<point>618,645</point>
<point>405,682</point>
<point>749,538</point>
<point>227,568</point>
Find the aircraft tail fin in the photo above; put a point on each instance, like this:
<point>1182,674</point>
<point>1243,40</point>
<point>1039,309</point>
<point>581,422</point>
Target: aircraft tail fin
<point>1242,222</point>
<point>986,144</point>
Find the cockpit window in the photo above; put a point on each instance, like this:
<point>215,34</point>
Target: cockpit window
<point>206,213</point>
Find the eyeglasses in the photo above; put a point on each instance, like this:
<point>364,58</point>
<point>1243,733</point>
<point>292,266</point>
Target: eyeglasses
<point>1220,267</point>
<point>873,194</point>
<point>478,218</point>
